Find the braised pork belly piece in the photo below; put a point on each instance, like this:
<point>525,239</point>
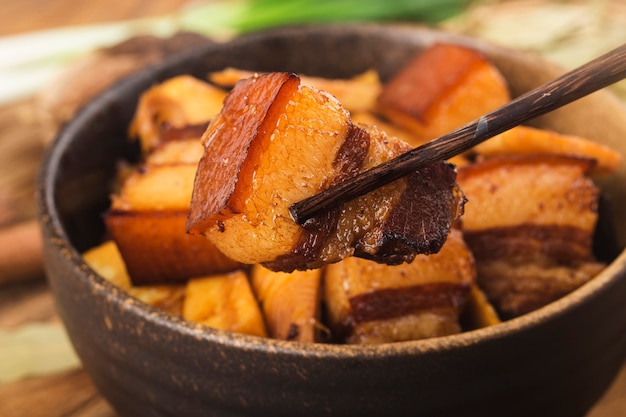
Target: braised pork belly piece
<point>530,222</point>
<point>441,89</point>
<point>277,142</point>
<point>369,302</point>
<point>149,207</point>
<point>201,226</point>
<point>148,216</point>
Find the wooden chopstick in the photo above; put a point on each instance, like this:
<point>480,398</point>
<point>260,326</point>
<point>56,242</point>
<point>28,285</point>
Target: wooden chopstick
<point>584,80</point>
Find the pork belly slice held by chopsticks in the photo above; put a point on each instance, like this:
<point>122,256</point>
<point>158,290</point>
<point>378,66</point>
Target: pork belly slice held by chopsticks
<point>277,142</point>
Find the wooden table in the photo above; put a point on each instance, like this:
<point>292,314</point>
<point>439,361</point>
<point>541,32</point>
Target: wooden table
<point>26,15</point>
<point>67,394</point>
<point>71,394</point>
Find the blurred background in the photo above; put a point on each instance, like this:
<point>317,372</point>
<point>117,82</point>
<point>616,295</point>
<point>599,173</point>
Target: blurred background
<point>57,54</point>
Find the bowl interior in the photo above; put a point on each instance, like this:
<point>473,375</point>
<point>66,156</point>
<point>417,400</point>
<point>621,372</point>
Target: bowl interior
<point>76,179</point>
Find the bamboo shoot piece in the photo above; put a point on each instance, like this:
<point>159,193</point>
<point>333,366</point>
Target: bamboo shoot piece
<point>179,102</point>
<point>357,94</point>
<point>182,151</point>
<point>224,302</point>
<point>479,312</point>
<point>524,140</point>
<point>106,260</point>
<point>290,303</point>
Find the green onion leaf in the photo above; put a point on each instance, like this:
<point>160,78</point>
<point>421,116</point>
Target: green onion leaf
<point>250,15</point>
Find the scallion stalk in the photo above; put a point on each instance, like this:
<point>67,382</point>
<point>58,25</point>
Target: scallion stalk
<point>252,15</point>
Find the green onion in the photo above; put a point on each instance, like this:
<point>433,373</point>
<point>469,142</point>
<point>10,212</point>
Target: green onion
<point>249,15</point>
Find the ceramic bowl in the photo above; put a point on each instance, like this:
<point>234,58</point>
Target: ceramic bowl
<point>556,361</point>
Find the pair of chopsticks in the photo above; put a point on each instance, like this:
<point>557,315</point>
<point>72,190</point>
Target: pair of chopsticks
<point>584,80</point>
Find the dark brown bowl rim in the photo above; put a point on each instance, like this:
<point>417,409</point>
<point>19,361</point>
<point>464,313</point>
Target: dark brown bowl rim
<point>49,221</point>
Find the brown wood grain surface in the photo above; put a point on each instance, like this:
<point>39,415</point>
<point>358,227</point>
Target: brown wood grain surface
<point>71,393</point>
<point>66,394</point>
<point>26,15</point>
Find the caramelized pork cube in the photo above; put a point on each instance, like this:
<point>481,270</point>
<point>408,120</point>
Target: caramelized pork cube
<point>156,248</point>
<point>368,302</point>
<point>516,288</point>
<point>530,222</point>
<point>290,303</point>
<point>444,87</point>
<point>147,220</point>
<point>277,142</point>
<point>224,302</point>
<point>527,192</point>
